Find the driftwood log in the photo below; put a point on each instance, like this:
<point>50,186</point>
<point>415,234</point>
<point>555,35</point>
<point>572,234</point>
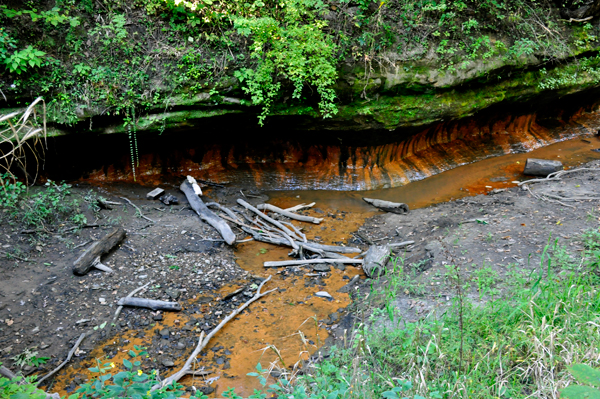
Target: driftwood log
<point>206,214</point>
<point>387,206</point>
<point>149,303</point>
<point>91,257</point>
<point>376,259</point>
<point>290,215</point>
<point>284,263</point>
<point>541,167</point>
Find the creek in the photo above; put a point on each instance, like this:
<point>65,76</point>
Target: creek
<point>441,163</point>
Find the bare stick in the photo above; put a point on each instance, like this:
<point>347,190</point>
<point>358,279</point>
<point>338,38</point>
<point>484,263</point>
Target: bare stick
<point>556,175</point>
<point>7,373</point>
<point>203,342</point>
<point>290,215</point>
<point>401,244</point>
<point>149,303</point>
<point>300,207</point>
<point>69,356</point>
<point>267,218</point>
<point>120,308</point>
<point>310,262</point>
<point>138,209</point>
<point>297,230</point>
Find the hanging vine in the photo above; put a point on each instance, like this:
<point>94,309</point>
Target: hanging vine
<point>133,145</point>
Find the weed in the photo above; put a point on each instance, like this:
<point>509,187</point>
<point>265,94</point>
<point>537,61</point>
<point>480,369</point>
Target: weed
<point>29,358</point>
<point>174,267</point>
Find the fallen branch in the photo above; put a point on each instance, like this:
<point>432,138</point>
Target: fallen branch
<point>310,262</point>
<point>401,244</point>
<point>206,214</point>
<point>7,373</point>
<point>267,218</point>
<point>149,303</point>
<point>387,206</point>
<point>202,342</point>
<point>69,356</point>
<point>556,176</point>
<point>91,257</point>
<point>120,308</point>
<point>290,215</point>
<point>300,207</point>
<point>138,209</point>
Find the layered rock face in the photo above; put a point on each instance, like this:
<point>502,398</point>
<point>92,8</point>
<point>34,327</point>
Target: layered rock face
<point>283,158</point>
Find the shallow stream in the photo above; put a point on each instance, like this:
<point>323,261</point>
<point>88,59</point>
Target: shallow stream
<point>289,325</point>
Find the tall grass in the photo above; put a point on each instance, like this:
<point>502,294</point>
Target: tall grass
<point>516,346</point>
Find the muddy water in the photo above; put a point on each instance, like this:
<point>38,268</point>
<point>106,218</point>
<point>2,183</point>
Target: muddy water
<point>291,320</point>
<point>472,179</point>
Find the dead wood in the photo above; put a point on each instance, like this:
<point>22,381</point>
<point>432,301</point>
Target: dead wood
<point>300,207</point>
<point>7,373</point>
<point>85,262</point>
<point>375,260</point>
<point>138,209</point>
<point>267,218</point>
<point>206,214</point>
<point>120,308</point>
<point>284,263</point>
<point>556,176</point>
<point>149,303</point>
<point>202,342</point>
<point>69,356</point>
<point>387,206</point>
<point>401,244</point>
<point>290,215</point>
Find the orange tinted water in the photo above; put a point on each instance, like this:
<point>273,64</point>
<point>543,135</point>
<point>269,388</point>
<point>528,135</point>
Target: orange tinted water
<point>277,319</point>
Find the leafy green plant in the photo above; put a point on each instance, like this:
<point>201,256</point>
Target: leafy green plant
<point>29,358</point>
<point>21,61</point>
<point>20,388</point>
<point>293,50</point>
<point>132,383</point>
<point>11,191</point>
<point>587,376</point>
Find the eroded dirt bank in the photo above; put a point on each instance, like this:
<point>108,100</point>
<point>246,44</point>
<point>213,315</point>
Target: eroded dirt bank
<point>43,305</point>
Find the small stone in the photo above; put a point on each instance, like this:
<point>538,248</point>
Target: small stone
<point>167,362</point>
<point>220,360</point>
<point>181,345</point>
<point>102,301</point>
<point>157,317</point>
<point>323,294</point>
<point>173,293</point>
<point>44,346</point>
<point>165,333</point>
<point>323,267</point>
<point>275,374</point>
<point>206,390</point>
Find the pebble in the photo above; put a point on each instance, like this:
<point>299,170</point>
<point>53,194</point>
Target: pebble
<point>173,293</point>
<point>102,301</point>
<point>167,362</point>
<point>157,317</point>
<point>323,294</point>
<point>165,333</point>
<point>321,267</point>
